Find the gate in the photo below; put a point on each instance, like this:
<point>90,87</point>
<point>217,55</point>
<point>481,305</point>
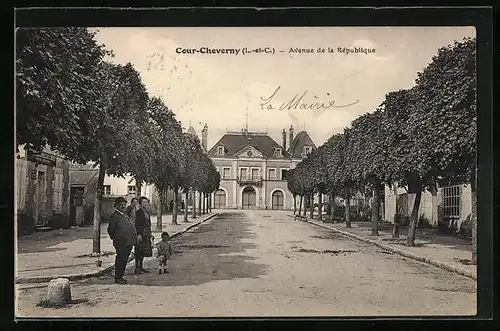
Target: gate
<point>220,199</point>
<point>277,200</point>
<point>249,198</point>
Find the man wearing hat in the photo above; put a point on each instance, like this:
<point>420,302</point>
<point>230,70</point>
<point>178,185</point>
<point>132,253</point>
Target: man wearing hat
<point>122,232</point>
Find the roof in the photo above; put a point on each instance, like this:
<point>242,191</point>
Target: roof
<point>192,131</point>
<point>301,139</point>
<point>235,142</point>
<point>82,174</point>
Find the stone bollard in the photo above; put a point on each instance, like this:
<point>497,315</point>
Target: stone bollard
<point>59,292</point>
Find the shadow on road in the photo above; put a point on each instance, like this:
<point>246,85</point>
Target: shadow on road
<point>43,241</point>
<point>211,252</point>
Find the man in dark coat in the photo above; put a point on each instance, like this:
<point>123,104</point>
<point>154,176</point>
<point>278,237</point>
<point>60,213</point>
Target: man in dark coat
<point>122,232</point>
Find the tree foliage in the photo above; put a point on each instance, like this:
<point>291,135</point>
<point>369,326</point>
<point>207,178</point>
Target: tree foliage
<point>87,109</point>
<point>416,137</point>
<point>56,84</point>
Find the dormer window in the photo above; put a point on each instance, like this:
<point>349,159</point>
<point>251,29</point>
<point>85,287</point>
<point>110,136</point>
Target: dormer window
<point>278,151</point>
<point>307,150</point>
<point>220,150</point>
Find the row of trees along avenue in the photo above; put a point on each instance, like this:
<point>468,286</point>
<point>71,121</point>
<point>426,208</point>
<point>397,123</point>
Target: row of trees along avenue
<point>91,110</point>
<point>414,139</point>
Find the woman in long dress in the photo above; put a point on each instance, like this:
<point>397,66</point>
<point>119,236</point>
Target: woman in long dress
<point>143,247</point>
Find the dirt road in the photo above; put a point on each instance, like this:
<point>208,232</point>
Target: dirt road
<point>263,263</point>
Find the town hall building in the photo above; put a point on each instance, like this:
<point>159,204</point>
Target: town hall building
<point>253,168</point>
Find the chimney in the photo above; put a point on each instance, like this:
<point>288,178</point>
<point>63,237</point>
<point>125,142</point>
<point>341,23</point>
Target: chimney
<point>284,139</point>
<point>290,139</point>
<point>204,137</point>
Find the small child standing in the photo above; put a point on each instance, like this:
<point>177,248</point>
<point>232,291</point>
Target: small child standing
<point>163,252</point>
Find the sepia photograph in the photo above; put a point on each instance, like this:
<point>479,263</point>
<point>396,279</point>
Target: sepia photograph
<point>245,171</point>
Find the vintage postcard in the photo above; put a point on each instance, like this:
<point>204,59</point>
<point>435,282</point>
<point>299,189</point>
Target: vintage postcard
<point>245,171</point>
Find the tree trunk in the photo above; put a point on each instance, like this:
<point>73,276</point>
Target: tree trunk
<point>375,209</point>
<point>204,204</point>
<point>397,215</point>
<point>300,205</point>
<point>207,196</point>
<point>474,220</point>
<point>174,208</point>
<point>199,203</point>
<point>332,207</point>
<point>414,187</point>
<point>96,244</point>
<point>434,212</point>
<point>305,209</point>
<point>138,188</point>
<point>311,206</point>
<point>194,205</point>
<point>347,208</point>
<point>294,204</point>
<point>186,194</point>
<point>210,202</point>
<point>159,213</point>
<point>320,206</point>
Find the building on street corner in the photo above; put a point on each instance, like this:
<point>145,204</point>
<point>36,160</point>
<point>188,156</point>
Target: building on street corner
<point>41,190</point>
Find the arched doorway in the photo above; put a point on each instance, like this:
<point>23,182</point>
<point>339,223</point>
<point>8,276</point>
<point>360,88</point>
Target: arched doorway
<point>220,199</point>
<point>277,199</point>
<point>249,198</point>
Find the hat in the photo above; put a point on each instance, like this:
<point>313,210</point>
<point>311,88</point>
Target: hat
<point>120,200</point>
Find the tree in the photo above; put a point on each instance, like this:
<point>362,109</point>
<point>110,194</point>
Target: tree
<point>122,99</point>
<point>338,179</point>
<point>291,185</point>
<point>447,118</point>
<point>409,163</point>
<point>193,151</point>
<point>431,128</point>
<point>169,156</point>
<point>366,157</point>
<point>55,82</point>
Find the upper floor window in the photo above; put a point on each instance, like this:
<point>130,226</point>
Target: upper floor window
<point>272,174</point>
<point>131,190</point>
<point>106,190</point>
<point>226,173</point>
<point>284,173</point>
<point>220,150</point>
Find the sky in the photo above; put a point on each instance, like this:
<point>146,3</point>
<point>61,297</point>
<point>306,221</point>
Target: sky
<point>226,91</point>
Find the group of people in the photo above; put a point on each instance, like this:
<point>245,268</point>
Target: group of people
<point>130,227</point>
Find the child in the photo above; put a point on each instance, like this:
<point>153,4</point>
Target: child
<point>163,252</point>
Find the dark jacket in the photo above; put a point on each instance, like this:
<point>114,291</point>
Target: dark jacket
<point>130,211</point>
<point>143,223</point>
<point>121,230</point>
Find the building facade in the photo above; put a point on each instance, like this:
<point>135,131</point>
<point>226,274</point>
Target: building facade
<point>452,201</point>
<point>41,190</point>
<point>253,168</point>
<point>83,188</point>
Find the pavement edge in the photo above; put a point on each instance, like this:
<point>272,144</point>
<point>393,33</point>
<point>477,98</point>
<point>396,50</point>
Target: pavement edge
<point>410,255</point>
